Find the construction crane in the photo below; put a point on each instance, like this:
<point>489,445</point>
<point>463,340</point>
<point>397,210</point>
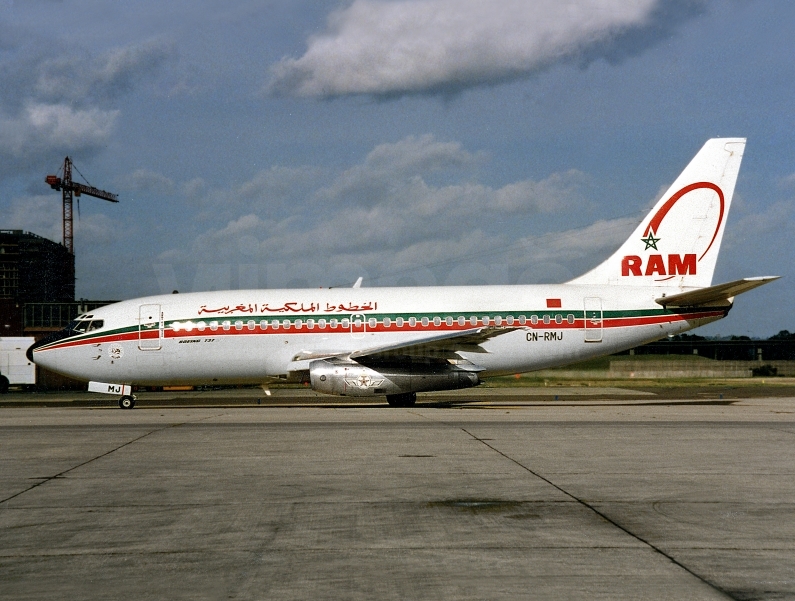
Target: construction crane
<point>70,188</point>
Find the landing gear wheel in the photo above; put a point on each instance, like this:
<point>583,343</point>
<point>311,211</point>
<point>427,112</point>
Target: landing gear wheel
<point>127,402</point>
<point>406,399</point>
<point>3,384</point>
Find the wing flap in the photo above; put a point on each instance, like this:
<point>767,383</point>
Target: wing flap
<point>440,346</point>
<point>721,294</point>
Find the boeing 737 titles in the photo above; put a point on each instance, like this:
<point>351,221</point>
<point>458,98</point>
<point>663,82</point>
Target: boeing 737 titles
<point>396,342</point>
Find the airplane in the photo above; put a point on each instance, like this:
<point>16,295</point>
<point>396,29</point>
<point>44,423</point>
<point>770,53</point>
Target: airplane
<point>396,342</point>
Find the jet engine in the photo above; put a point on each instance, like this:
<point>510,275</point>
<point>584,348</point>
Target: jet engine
<point>354,379</point>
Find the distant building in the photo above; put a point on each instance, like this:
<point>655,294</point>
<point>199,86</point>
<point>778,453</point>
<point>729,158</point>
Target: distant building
<point>37,292</point>
<point>34,269</point>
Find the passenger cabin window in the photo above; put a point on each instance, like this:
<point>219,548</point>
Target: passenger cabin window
<point>372,322</point>
<point>387,322</point>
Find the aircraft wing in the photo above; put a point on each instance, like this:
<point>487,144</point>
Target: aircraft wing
<point>466,340</point>
<point>439,346</point>
<point>720,294</point>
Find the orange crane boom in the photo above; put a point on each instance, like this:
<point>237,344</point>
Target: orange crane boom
<point>70,188</point>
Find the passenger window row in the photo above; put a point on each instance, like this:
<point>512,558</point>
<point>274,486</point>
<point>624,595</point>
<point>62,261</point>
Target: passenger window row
<point>372,323</point>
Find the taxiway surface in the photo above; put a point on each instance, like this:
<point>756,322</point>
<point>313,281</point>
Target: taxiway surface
<point>503,499</point>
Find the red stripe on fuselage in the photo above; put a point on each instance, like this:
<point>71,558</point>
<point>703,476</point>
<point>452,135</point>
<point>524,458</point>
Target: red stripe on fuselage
<point>579,324</point>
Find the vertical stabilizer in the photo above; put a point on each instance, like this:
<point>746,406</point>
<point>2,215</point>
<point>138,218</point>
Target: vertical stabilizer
<point>677,243</point>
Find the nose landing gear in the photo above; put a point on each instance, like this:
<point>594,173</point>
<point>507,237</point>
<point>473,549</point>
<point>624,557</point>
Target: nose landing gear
<point>127,402</point>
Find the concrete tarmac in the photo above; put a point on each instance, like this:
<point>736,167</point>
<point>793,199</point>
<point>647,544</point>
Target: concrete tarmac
<point>505,498</point>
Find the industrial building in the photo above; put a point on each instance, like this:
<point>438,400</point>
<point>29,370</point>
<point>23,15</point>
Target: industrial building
<point>37,291</point>
<point>33,269</point>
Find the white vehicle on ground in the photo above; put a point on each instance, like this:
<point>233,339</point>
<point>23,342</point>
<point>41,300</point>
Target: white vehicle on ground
<point>15,367</point>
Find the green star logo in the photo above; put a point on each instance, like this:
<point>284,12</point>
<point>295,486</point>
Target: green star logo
<point>650,241</point>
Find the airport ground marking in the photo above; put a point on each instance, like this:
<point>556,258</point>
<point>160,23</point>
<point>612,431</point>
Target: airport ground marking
<point>601,514</point>
<point>46,479</point>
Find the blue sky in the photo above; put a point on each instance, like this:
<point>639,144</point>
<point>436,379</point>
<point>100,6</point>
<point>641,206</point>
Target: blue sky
<point>290,143</point>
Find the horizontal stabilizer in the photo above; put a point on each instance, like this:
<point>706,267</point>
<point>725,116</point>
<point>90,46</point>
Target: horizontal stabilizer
<point>720,294</point>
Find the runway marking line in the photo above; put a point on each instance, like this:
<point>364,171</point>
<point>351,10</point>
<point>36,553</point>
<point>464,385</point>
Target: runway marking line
<point>601,515</point>
<point>46,479</point>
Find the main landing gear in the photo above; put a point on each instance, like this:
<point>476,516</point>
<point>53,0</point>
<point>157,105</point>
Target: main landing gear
<point>127,402</point>
<point>406,399</point>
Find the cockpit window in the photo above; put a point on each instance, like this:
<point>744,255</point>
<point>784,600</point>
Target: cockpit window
<point>79,326</point>
<point>85,325</point>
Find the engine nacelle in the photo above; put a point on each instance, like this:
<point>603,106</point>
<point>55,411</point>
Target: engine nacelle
<point>353,379</point>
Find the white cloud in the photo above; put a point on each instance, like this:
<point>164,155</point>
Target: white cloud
<point>787,181</point>
<point>777,219</point>
<point>40,214</point>
<point>62,124</point>
<point>194,189</point>
<point>56,99</point>
<point>417,46</point>
<point>387,164</point>
<point>54,127</point>
<point>146,180</point>
<point>76,77</point>
<point>384,215</point>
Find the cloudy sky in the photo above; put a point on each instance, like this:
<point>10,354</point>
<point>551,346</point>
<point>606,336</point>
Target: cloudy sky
<point>294,143</point>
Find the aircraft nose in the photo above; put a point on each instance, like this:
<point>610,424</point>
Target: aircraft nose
<point>34,346</point>
<point>45,341</point>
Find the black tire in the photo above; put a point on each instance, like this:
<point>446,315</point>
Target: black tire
<point>3,385</point>
<point>407,399</point>
<point>127,402</point>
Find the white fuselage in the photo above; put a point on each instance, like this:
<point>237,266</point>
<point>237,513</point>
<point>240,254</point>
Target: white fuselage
<point>251,336</point>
